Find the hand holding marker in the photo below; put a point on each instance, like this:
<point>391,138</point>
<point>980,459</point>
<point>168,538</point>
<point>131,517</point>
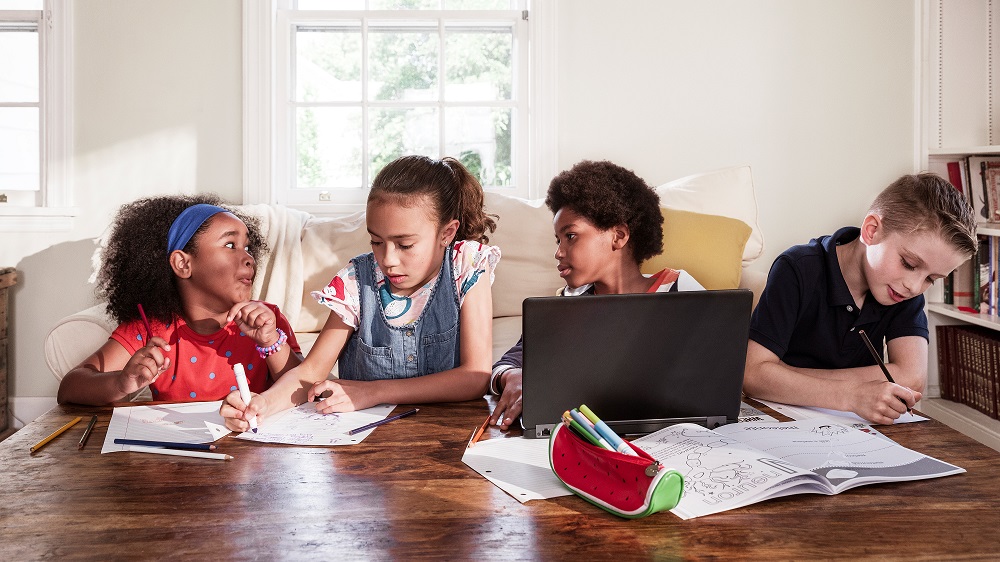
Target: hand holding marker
<point>241,382</point>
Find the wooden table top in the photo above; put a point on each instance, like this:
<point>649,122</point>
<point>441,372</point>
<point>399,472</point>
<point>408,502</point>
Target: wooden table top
<point>404,493</point>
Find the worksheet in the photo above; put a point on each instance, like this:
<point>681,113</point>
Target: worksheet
<point>303,425</point>
<point>186,422</point>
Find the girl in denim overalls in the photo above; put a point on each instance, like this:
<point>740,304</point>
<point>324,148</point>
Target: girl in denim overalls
<point>410,322</point>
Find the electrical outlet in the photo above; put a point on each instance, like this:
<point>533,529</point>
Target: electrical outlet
<point>3,197</point>
<point>324,195</point>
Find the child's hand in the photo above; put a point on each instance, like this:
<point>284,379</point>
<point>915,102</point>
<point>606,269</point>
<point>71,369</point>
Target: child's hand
<point>236,412</point>
<point>881,402</point>
<point>346,396</point>
<point>144,366</point>
<point>509,404</point>
<point>255,320</point>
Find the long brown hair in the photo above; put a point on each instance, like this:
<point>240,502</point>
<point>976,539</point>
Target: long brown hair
<point>455,193</point>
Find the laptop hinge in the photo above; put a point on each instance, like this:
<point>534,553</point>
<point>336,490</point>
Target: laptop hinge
<point>712,422</point>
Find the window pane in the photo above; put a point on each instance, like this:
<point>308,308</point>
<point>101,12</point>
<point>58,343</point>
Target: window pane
<point>19,148</point>
<point>478,65</point>
<point>328,64</point>
<point>19,65</point>
<point>480,137</point>
<point>403,64</point>
<point>21,5</point>
<point>479,4</point>
<point>328,147</point>
<point>330,5</point>
<point>398,132</point>
<point>404,5</point>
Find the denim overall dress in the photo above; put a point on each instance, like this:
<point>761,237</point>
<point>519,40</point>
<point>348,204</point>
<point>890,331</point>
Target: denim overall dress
<point>378,351</point>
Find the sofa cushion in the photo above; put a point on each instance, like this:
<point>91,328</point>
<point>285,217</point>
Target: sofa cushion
<point>728,192</point>
<point>527,265</point>
<point>327,245</point>
<point>709,247</point>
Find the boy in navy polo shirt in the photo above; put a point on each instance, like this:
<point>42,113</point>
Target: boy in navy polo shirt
<point>804,344</point>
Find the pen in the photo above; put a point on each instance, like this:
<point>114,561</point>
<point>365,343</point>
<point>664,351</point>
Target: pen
<point>167,444</point>
<point>145,322</point>
<point>478,433</point>
<point>86,432</point>
<point>382,421</point>
<point>602,428</point>
<point>55,434</point>
<point>179,453</point>
<point>241,381</point>
<point>878,358</point>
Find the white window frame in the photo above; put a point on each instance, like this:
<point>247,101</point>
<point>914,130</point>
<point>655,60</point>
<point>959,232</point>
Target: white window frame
<point>55,211</point>
<point>267,155</point>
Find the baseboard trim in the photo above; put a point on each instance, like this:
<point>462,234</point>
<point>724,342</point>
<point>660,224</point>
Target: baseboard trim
<point>964,419</point>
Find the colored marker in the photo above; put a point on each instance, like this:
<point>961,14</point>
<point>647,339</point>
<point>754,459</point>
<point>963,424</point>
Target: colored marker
<point>382,421</point>
<point>179,453</point>
<point>568,420</point>
<point>582,422</point>
<point>602,428</point>
<point>241,381</point>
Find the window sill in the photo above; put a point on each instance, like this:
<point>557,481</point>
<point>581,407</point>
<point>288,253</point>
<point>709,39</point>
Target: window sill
<point>37,219</point>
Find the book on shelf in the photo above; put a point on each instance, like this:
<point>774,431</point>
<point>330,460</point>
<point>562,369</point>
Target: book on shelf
<point>961,287</point>
<point>955,175</point>
<point>968,365</point>
<point>740,464</point>
<point>980,170</point>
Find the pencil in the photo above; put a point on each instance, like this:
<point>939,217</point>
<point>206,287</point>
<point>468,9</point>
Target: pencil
<point>881,364</point>
<point>167,444</point>
<point>380,422</point>
<point>145,322</point>
<point>55,434</point>
<point>86,432</point>
<point>179,453</point>
<point>478,433</point>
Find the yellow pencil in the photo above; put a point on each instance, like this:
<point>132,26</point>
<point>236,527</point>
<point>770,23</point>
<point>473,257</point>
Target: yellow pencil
<point>55,434</point>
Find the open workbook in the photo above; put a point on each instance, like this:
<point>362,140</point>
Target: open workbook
<point>744,463</point>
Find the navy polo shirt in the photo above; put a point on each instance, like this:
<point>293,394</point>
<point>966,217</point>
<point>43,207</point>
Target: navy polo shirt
<point>807,317</point>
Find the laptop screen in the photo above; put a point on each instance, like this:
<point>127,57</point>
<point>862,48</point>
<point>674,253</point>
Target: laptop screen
<point>639,361</point>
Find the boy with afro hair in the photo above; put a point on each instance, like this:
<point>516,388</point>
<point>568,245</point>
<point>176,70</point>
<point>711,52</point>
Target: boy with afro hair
<point>606,221</point>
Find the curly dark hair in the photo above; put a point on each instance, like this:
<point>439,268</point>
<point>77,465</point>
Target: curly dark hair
<point>134,264</point>
<point>608,195</point>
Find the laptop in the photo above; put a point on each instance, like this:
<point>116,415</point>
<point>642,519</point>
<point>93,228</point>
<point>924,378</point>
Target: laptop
<point>640,361</point>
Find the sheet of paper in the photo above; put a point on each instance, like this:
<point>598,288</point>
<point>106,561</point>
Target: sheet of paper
<point>808,413</point>
<point>305,426</point>
<point>750,414</point>
<point>517,466</point>
<point>187,422</point>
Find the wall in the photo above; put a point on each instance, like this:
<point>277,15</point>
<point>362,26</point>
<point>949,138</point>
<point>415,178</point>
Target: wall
<point>158,110</point>
<point>817,96</point>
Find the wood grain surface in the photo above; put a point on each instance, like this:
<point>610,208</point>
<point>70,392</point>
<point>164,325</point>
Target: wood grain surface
<point>404,494</point>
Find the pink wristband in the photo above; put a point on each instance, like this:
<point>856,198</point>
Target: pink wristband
<point>273,348</point>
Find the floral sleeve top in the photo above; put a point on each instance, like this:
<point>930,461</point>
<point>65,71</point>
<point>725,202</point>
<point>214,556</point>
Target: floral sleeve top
<point>470,260</point>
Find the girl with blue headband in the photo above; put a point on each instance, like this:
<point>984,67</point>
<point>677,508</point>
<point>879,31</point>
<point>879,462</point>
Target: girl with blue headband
<point>177,273</point>
<point>411,321</point>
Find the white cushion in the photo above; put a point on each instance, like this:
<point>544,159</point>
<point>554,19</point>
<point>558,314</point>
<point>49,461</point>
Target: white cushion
<point>728,192</point>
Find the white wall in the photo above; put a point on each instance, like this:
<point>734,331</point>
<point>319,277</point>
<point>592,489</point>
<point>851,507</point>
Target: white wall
<point>158,110</point>
<point>817,96</point>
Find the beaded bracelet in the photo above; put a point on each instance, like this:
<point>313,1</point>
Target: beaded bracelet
<point>274,347</point>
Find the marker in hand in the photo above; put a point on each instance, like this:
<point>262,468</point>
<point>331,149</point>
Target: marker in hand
<point>241,382</point>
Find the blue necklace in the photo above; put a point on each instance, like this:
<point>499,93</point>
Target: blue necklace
<point>393,306</point>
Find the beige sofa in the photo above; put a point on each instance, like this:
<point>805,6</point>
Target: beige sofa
<point>307,251</point>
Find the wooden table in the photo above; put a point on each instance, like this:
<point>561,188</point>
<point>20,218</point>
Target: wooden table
<point>404,493</point>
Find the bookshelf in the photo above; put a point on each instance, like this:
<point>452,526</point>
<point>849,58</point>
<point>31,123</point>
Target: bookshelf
<point>960,117</point>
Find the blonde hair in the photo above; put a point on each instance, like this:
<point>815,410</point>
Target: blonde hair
<point>927,202</point>
<point>455,193</point>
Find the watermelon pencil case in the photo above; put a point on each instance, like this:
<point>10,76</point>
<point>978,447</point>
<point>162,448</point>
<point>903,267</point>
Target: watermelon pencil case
<point>627,486</point>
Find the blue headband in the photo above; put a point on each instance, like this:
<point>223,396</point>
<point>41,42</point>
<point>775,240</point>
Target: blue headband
<point>187,223</point>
